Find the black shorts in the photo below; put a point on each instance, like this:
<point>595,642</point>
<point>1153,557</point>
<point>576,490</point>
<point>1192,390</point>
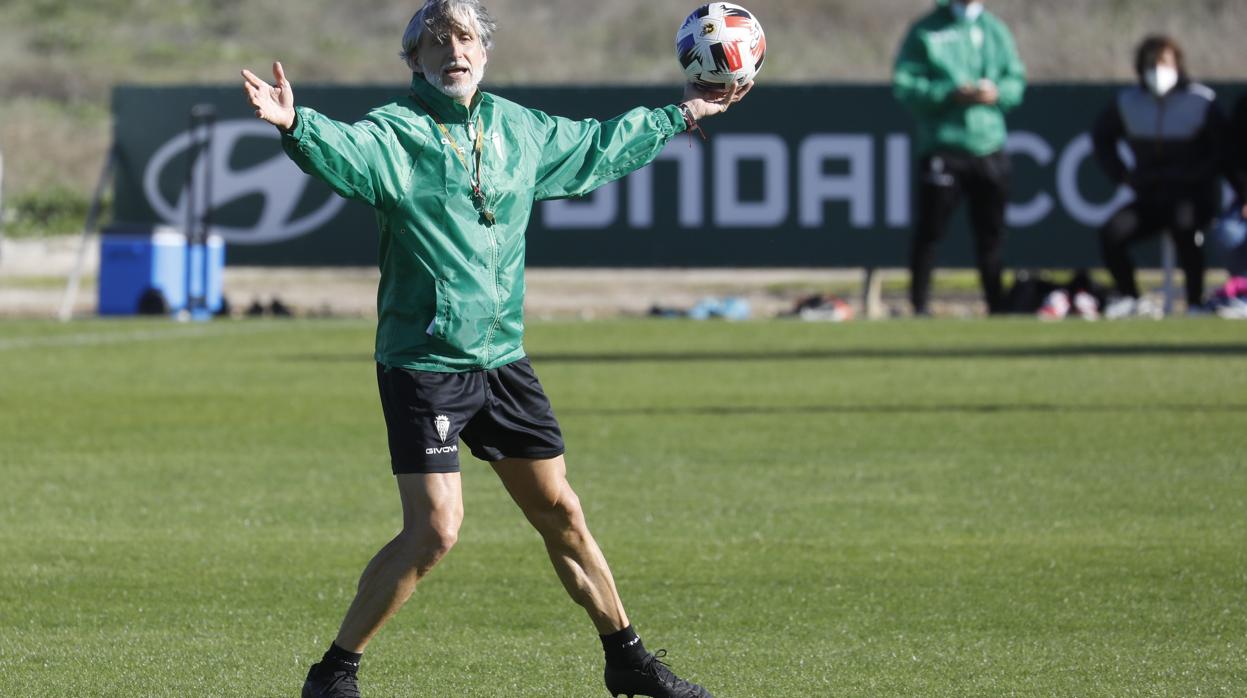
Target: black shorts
<point>499,413</point>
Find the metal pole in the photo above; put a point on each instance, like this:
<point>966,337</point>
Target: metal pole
<point>189,233</point>
<point>198,208</point>
<point>66,312</point>
<point>1,207</point>
<point>872,294</point>
<point>1168,261</point>
<point>208,114</point>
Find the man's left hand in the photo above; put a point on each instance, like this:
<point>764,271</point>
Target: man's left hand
<point>988,93</point>
<point>703,103</point>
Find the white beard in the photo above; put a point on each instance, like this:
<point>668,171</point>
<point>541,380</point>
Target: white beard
<point>458,90</point>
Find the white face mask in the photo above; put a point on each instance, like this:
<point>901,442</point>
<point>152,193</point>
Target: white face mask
<point>1161,79</point>
<point>968,11</point>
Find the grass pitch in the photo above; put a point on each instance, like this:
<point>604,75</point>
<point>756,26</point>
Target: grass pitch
<point>899,509</point>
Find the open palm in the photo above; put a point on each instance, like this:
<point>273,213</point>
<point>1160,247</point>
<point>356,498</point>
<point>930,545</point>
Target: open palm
<point>705,103</point>
<point>273,103</point>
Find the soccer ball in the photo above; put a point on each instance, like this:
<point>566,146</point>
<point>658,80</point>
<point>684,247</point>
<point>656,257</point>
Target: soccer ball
<point>720,44</point>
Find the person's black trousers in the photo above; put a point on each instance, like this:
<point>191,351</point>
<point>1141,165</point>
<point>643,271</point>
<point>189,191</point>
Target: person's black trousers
<point>1183,217</point>
<point>943,179</point>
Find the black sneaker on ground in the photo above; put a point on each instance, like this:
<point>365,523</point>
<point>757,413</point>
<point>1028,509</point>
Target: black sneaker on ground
<point>653,679</point>
<point>331,680</point>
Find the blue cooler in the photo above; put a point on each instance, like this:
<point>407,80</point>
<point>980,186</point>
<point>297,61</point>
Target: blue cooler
<point>136,260</point>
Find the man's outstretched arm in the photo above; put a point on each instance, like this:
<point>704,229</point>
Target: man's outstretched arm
<point>361,161</point>
<point>580,156</point>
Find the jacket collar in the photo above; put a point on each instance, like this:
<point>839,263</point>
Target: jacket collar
<point>447,109</point>
<point>946,7</point>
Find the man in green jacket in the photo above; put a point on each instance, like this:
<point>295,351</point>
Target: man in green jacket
<point>453,173</point>
<point>959,73</point>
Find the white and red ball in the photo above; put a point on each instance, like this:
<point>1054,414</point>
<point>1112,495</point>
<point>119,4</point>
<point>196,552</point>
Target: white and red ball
<point>719,44</point>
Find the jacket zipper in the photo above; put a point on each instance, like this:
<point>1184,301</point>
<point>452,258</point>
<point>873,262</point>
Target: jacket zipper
<point>494,264</point>
<point>1160,127</point>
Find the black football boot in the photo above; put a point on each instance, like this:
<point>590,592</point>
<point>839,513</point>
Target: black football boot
<point>330,679</point>
<point>653,679</point>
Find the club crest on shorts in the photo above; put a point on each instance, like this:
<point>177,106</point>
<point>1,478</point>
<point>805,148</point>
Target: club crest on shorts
<point>442,422</point>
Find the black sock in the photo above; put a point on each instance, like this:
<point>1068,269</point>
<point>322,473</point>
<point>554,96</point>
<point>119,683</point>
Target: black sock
<point>624,648</point>
<point>337,655</point>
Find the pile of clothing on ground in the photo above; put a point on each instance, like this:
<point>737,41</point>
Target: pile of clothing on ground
<point>708,308</point>
<point>821,307</point>
<point>1034,293</point>
<point>1229,301</point>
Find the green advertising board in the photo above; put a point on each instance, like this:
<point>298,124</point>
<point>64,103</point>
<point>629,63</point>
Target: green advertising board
<point>814,176</point>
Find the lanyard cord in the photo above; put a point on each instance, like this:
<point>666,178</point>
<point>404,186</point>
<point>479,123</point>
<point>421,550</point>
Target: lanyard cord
<point>474,178</point>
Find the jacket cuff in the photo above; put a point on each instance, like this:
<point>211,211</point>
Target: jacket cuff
<point>674,121</point>
<point>296,133</point>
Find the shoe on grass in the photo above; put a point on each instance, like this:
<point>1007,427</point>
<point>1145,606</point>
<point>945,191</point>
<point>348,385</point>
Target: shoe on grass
<point>653,678</point>
<point>328,679</point>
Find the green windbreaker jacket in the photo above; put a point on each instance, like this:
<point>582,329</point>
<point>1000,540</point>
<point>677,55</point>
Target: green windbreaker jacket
<point>940,54</point>
<point>451,295</point>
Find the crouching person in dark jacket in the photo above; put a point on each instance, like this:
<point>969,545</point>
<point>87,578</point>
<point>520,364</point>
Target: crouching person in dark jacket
<point>1176,132</point>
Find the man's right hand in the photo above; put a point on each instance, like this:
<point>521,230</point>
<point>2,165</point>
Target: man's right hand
<point>983,92</point>
<point>273,103</point>
<point>965,94</point>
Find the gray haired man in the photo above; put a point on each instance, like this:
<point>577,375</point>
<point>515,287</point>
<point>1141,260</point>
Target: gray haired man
<point>450,360</point>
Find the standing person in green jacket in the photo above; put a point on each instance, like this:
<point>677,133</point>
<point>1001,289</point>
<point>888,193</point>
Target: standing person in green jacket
<point>959,73</point>
<point>453,173</point>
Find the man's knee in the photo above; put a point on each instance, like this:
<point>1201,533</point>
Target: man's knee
<point>558,514</point>
<point>441,539</point>
<point>989,241</point>
<point>428,542</point>
<point>1119,228</point>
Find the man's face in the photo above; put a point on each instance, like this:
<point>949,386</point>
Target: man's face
<point>453,61</point>
<point>970,9</point>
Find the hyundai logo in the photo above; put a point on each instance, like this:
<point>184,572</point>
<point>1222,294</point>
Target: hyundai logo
<point>277,181</point>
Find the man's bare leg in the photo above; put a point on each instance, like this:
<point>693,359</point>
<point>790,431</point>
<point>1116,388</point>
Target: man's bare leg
<point>541,490</point>
<point>432,513</point>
